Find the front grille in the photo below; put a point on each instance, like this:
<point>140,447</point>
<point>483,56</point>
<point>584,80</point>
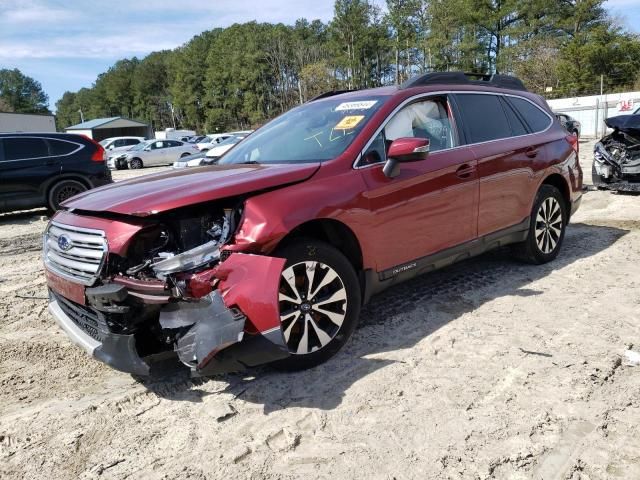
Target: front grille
<point>75,253</point>
<point>85,318</point>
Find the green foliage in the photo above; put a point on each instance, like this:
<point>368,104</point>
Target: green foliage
<point>21,94</point>
<point>243,75</point>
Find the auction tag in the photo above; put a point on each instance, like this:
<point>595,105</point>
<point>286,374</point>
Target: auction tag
<point>363,105</point>
<point>348,122</point>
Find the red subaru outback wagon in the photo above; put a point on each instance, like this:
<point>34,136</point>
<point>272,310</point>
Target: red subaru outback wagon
<point>268,256</point>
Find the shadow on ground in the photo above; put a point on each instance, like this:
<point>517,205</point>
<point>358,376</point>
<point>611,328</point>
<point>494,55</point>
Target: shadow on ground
<point>404,311</point>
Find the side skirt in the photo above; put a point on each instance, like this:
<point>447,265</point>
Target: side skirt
<point>376,282</point>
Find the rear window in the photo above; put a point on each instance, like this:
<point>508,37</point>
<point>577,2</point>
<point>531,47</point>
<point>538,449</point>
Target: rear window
<point>483,117</point>
<point>535,118</point>
<point>26,147</point>
<point>58,147</point>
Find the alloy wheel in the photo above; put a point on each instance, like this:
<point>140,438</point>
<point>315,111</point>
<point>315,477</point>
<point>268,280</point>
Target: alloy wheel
<point>67,192</point>
<point>313,306</point>
<point>548,225</point>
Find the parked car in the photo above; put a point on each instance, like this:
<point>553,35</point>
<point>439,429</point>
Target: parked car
<point>616,162</point>
<point>211,141</point>
<point>45,169</point>
<point>194,160</point>
<point>152,153</point>
<point>268,256</point>
<point>119,144</point>
<point>571,124</point>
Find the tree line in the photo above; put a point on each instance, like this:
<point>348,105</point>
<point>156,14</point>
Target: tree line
<point>243,75</point>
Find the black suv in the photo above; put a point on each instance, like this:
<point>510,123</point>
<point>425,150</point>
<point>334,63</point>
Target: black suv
<point>45,169</point>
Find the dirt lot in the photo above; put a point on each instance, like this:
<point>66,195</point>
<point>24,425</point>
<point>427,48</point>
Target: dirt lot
<point>488,369</point>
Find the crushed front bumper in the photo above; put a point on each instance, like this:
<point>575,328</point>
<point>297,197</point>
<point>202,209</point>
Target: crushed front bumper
<point>229,329</point>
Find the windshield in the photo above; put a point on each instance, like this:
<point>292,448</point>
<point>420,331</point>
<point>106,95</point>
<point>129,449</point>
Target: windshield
<point>314,132</point>
<point>141,145</point>
<point>105,142</point>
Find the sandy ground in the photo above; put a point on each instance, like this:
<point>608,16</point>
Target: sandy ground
<point>487,369</point>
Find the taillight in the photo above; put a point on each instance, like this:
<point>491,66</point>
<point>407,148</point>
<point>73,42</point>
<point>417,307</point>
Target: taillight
<point>573,141</point>
<point>100,155</point>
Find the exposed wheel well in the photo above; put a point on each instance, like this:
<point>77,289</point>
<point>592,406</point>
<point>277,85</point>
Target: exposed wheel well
<point>560,183</point>
<point>334,233</point>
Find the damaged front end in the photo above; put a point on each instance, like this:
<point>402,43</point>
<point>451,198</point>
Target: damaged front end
<point>616,163</point>
<point>171,289</point>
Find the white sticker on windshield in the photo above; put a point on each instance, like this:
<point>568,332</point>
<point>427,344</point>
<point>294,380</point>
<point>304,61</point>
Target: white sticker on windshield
<point>363,105</point>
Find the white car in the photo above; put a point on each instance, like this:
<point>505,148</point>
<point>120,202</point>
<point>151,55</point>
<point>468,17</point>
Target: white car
<point>212,140</point>
<point>211,156</point>
<point>152,153</point>
<point>114,145</point>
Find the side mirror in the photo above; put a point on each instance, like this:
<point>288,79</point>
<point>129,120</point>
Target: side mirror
<point>406,149</point>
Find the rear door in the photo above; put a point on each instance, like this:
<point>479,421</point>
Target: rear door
<point>432,204</point>
<point>505,150</point>
<point>26,166</point>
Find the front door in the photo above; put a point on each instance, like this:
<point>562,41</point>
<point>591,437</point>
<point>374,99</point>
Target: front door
<point>433,204</point>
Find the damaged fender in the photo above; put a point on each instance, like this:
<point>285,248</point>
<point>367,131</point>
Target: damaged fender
<point>236,325</point>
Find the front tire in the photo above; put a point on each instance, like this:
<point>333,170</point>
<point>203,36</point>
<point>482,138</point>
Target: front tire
<point>62,191</point>
<point>135,163</point>
<point>320,301</point>
<point>548,223</point>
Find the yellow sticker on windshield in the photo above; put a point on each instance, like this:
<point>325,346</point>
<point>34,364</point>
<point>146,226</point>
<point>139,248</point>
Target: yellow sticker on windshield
<point>348,122</point>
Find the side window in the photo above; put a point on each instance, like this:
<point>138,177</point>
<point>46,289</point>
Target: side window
<point>58,147</point>
<point>21,148</point>
<point>173,143</point>
<point>517,127</point>
<point>157,145</point>
<point>483,117</point>
<point>131,141</point>
<point>534,116</point>
<point>423,119</point>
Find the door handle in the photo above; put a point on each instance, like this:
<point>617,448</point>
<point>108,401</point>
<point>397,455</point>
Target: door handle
<point>531,152</point>
<point>465,171</point>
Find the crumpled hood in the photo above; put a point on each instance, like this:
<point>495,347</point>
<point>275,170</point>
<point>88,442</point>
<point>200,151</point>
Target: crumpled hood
<point>625,123</point>
<point>155,193</point>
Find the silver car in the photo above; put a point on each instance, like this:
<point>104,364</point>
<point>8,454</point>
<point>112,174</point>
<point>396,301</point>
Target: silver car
<point>152,153</point>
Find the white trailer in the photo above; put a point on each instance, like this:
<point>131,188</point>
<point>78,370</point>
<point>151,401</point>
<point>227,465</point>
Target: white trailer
<point>173,134</point>
<point>27,123</point>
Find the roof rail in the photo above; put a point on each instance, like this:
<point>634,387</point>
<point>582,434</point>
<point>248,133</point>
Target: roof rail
<point>462,78</point>
<point>329,94</point>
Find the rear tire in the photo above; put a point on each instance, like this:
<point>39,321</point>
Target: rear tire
<point>549,217</point>
<point>320,303</point>
<point>62,191</point>
<point>135,163</point>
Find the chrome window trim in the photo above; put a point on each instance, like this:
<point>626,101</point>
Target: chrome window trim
<point>80,147</point>
<point>446,92</point>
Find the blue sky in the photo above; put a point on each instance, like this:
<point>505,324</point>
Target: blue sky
<point>65,44</point>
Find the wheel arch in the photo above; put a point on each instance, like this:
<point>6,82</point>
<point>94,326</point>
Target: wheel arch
<point>558,181</point>
<point>335,233</point>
